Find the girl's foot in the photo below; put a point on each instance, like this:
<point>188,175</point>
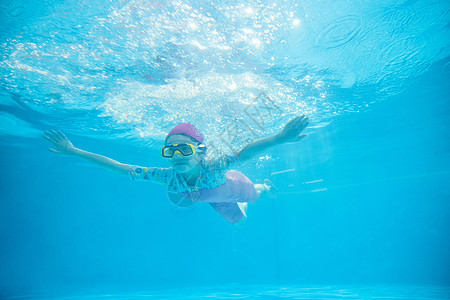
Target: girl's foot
<point>243,207</point>
<point>270,189</point>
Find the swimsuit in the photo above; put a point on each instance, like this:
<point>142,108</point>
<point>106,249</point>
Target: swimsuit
<point>222,189</point>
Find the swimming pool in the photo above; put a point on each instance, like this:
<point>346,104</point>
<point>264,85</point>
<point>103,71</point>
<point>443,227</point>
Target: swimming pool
<point>364,203</point>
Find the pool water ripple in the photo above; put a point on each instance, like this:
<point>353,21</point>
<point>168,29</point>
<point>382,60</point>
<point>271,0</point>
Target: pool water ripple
<point>340,32</point>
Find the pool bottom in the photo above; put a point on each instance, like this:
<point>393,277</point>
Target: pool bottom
<point>256,292</point>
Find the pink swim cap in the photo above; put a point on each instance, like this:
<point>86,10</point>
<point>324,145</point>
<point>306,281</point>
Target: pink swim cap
<point>187,129</point>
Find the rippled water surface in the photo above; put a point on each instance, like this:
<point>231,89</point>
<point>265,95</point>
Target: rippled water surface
<point>130,69</point>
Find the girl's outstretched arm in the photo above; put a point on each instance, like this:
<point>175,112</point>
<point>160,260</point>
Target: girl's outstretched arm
<point>65,147</point>
<point>290,133</point>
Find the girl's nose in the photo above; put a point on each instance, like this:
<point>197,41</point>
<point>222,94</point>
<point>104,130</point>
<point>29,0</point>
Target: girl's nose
<point>177,153</point>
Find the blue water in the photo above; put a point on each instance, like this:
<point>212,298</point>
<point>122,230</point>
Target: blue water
<point>364,204</point>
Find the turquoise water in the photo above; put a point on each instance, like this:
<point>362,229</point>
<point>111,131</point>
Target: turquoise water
<point>364,204</point>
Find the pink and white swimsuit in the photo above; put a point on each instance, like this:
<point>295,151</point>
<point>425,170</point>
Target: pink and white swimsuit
<point>220,187</point>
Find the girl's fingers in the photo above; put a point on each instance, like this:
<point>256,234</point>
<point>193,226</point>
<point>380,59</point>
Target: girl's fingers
<point>291,122</point>
<point>61,135</point>
<point>47,133</point>
<point>300,120</point>
<point>300,137</point>
<point>302,126</point>
<point>294,122</point>
<point>54,135</point>
<point>53,150</point>
<point>303,119</point>
<point>50,136</point>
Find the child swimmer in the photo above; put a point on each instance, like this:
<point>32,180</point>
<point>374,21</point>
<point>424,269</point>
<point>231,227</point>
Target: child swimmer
<point>193,178</point>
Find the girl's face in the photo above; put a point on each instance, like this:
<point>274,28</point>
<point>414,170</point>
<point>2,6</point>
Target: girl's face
<point>184,164</point>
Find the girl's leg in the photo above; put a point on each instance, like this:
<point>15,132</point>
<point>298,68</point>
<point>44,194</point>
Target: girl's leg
<point>233,212</point>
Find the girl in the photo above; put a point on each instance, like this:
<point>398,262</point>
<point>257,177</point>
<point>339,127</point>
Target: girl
<point>193,178</point>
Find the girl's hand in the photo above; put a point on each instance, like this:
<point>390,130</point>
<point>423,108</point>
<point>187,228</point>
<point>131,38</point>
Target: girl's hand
<point>291,131</point>
<point>61,143</point>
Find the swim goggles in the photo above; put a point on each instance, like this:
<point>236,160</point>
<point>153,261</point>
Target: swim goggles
<point>183,149</point>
